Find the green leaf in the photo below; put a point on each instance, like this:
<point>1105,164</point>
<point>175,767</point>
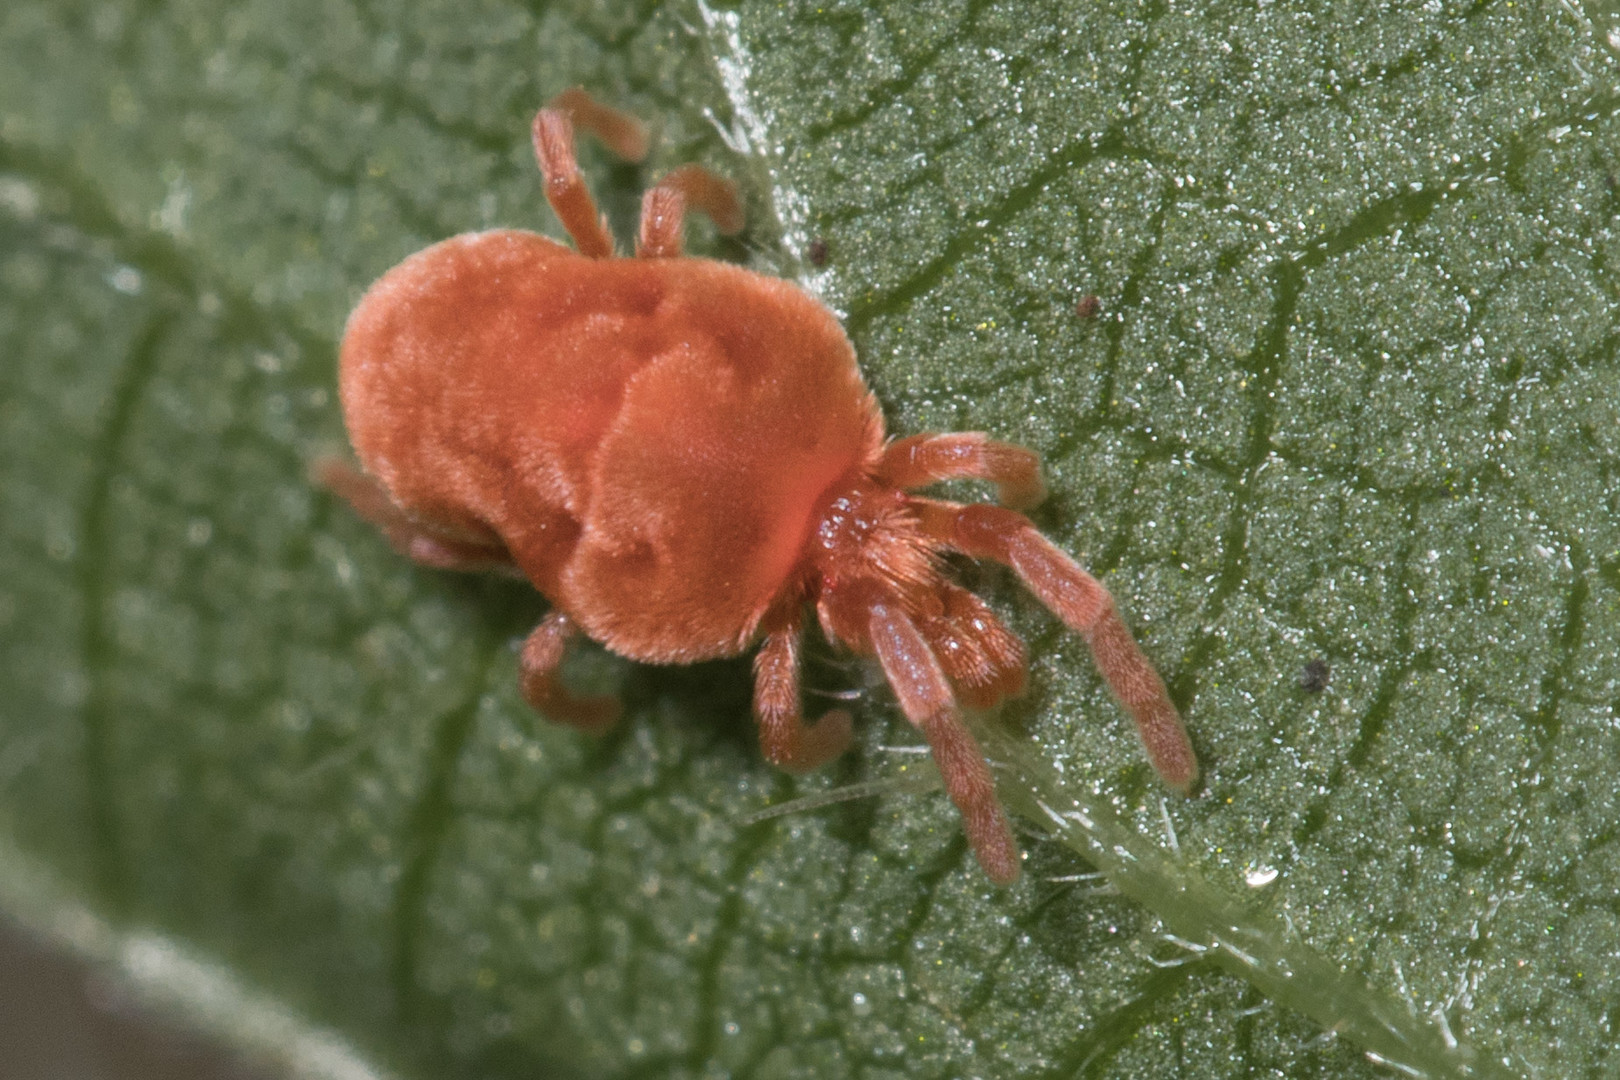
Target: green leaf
<point>1349,396</point>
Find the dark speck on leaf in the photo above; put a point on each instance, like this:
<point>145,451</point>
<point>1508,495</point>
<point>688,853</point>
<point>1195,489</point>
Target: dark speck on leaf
<point>1313,678</point>
<point>1088,307</point>
<point>817,253</point>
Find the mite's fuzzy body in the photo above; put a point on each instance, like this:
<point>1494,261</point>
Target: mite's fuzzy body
<point>603,419</point>
<point>682,455</point>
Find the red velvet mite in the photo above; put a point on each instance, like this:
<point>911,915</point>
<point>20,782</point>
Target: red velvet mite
<point>682,456</point>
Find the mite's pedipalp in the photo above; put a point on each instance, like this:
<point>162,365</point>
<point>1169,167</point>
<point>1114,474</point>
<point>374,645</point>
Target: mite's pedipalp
<point>983,659</point>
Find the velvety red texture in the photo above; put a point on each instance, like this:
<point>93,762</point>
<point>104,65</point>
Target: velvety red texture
<point>650,460</point>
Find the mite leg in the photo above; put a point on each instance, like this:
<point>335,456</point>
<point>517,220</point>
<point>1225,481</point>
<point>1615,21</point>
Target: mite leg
<point>664,206</point>
<point>925,697</point>
<point>787,741</point>
<point>616,129</point>
<point>921,460</point>
<point>407,535</point>
<point>565,187</point>
<point>983,659</point>
<point>990,532</point>
<point>538,670</point>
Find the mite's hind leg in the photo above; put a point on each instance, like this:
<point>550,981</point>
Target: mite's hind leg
<point>538,677</point>
<point>925,697</point>
<point>788,742</point>
<point>408,536</point>
<point>615,129</point>
<point>663,209</point>
<point>565,187</point>
<point>619,131</point>
<point>990,532</point>
<point>921,460</point>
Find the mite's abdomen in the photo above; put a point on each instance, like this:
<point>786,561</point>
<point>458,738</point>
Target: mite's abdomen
<point>648,438</point>
<point>477,379</point>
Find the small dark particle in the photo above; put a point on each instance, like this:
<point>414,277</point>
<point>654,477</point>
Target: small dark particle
<point>817,253</point>
<point>1088,307</point>
<point>1313,678</point>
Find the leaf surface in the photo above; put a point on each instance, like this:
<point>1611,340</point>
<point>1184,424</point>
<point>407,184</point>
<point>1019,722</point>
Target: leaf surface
<point>1348,395</point>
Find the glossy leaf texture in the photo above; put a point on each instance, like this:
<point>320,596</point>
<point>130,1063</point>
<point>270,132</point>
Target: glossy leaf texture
<point>1339,430</point>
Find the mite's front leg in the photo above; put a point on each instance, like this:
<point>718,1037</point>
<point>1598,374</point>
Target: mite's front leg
<point>920,460</point>
<point>925,697</point>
